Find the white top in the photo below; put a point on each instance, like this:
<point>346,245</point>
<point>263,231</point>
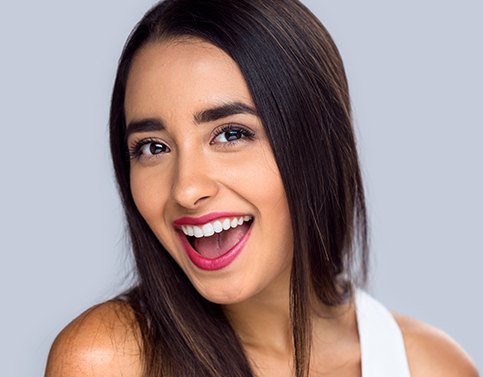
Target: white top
<point>382,345</point>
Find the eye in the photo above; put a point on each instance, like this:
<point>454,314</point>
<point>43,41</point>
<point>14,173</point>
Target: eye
<point>153,148</point>
<point>147,148</point>
<point>231,134</point>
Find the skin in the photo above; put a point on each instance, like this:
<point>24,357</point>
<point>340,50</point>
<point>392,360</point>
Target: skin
<point>202,172</point>
<point>194,174</point>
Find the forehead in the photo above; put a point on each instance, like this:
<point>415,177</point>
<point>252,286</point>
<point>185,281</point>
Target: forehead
<point>182,74</point>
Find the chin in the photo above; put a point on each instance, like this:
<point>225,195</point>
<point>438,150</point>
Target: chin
<point>224,293</point>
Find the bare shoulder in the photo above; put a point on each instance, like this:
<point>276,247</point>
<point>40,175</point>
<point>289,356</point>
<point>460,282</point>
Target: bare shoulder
<point>433,353</point>
<point>102,341</point>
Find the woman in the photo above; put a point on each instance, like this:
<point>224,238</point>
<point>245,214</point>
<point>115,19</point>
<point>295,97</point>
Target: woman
<point>234,152</point>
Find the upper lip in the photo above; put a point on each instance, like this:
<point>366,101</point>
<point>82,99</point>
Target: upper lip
<point>188,220</point>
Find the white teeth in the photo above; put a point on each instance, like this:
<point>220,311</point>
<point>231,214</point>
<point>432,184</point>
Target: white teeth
<point>198,232</point>
<point>208,230</point>
<point>217,226</point>
<point>188,230</point>
<point>226,224</point>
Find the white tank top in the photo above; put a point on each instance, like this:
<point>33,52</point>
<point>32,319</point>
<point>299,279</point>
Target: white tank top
<point>382,346</point>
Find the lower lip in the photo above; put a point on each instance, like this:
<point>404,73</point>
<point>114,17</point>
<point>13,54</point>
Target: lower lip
<point>218,262</point>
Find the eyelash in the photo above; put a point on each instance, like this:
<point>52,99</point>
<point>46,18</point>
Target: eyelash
<point>244,132</point>
<point>135,149</point>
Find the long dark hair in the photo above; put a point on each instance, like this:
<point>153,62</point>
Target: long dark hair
<point>297,81</point>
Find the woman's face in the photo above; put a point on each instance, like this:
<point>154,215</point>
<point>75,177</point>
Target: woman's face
<point>203,175</point>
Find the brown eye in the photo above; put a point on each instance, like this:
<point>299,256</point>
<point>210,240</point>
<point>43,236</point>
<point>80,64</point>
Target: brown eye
<point>231,134</point>
<point>154,148</point>
<point>148,148</point>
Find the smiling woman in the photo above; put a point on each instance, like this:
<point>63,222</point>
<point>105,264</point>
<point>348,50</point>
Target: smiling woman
<point>233,147</point>
<point>209,154</point>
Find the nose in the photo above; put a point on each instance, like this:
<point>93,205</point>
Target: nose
<point>193,184</point>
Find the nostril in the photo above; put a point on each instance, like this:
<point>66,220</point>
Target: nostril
<point>202,199</point>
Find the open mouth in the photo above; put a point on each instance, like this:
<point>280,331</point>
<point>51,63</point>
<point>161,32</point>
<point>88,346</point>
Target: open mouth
<point>216,238</point>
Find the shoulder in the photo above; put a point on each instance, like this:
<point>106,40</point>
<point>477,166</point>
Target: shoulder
<point>433,353</point>
<point>102,341</point>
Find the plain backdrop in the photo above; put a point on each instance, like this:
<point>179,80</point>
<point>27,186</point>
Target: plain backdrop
<point>415,71</point>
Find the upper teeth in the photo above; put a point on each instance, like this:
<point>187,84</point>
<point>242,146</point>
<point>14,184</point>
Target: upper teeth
<point>217,226</point>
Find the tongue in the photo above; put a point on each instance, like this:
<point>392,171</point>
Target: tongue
<point>219,243</point>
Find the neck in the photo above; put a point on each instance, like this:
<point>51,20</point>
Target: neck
<point>263,321</point>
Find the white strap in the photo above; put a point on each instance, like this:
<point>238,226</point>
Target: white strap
<point>382,346</point>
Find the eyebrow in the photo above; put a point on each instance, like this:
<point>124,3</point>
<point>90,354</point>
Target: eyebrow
<point>145,125</point>
<point>223,111</point>
<point>204,116</point>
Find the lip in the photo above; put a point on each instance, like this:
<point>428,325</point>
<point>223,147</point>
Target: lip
<point>206,218</point>
<point>219,262</point>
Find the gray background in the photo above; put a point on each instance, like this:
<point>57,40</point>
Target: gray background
<point>416,81</point>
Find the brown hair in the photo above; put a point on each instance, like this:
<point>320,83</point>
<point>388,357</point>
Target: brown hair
<point>297,81</point>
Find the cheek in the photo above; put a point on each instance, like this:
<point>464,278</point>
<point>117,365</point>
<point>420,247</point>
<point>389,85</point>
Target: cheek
<point>257,177</point>
<point>148,195</point>
<point>270,193</point>
<point>265,189</point>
